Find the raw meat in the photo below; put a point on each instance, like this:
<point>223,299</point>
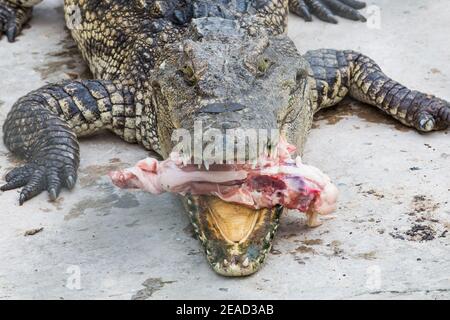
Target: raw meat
<point>278,180</point>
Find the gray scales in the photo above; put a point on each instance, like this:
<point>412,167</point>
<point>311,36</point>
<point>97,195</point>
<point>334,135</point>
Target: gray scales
<point>158,64</point>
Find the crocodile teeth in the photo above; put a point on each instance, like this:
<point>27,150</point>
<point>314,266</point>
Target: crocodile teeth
<point>185,159</point>
<point>246,263</point>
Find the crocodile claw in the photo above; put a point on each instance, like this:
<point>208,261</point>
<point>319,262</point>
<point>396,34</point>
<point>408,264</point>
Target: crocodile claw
<point>426,122</point>
<point>35,178</point>
<point>11,33</point>
<point>12,20</point>
<point>326,9</point>
<point>433,117</point>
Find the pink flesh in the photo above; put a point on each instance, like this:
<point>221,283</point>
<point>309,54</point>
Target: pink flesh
<point>280,181</point>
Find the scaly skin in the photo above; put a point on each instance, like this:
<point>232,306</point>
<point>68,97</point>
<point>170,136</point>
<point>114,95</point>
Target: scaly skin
<point>339,73</point>
<point>325,9</point>
<point>47,140</point>
<point>14,14</point>
<point>160,65</point>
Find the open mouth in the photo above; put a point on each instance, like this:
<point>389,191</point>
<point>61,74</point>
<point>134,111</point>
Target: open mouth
<point>274,181</point>
<point>236,238</point>
<point>235,209</point>
<point>235,223</point>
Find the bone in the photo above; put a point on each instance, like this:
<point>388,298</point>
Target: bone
<point>275,180</point>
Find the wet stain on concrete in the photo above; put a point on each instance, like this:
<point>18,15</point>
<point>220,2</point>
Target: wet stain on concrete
<point>115,160</point>
<point>58,203</point>
<point>373,193</point>
<point>350,108</point>
<point>335,246</point>
<point>425,226</point>
<point>91,174</point>
<point>103,203</point>
<point>304,249</point>
<point>300,260</point>
<point>189,231</point>
<point>302,252</point>
<point>151,286</point>
<point>435,71</point>
<point>417,233</point>
<point>423,203</point>
<point>312,242</point>
<point>372,255</point>
<point>193,252</point>
<point>132,224</point>
<point>68,60</point>
<point>12,158</point>
<point>292,229</point>
<point>420,232</point>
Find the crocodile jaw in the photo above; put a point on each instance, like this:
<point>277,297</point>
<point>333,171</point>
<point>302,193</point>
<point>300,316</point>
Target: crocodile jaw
<point>236,239</point>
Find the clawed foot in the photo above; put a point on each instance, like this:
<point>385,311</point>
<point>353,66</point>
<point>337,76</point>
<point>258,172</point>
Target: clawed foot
<point>37,177</point>
<point>326,9</point>
<point>12,20</point>
<point>434,114</point>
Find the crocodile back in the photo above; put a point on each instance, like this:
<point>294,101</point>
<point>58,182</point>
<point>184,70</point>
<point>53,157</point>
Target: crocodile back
<point>126,39</point>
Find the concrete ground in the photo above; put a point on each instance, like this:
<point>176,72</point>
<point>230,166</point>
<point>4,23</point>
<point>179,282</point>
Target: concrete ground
<point>389,238</point>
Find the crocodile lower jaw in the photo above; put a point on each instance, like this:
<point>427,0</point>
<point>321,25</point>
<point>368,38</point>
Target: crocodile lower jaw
<point>236,238</point>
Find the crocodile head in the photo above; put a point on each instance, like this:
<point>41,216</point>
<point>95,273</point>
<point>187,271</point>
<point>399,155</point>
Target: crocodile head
<point>233,82</point>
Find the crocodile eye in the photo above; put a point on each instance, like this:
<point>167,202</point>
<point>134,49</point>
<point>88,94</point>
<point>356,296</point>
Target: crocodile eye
<point>188,74</point>
<point>263,65</point>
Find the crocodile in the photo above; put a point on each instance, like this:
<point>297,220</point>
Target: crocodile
<point>159,66</point>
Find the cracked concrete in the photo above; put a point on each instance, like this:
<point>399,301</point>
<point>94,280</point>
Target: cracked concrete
<point>389,238</point>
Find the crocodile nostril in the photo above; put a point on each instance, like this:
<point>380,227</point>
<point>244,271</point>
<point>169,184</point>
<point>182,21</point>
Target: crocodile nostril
<point>221,107</point>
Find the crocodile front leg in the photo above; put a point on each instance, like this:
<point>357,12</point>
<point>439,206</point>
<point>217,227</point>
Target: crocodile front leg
<point>43,126</point>
<point>13,16</point>
<point>326,9</point>
<point>339,73</point>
